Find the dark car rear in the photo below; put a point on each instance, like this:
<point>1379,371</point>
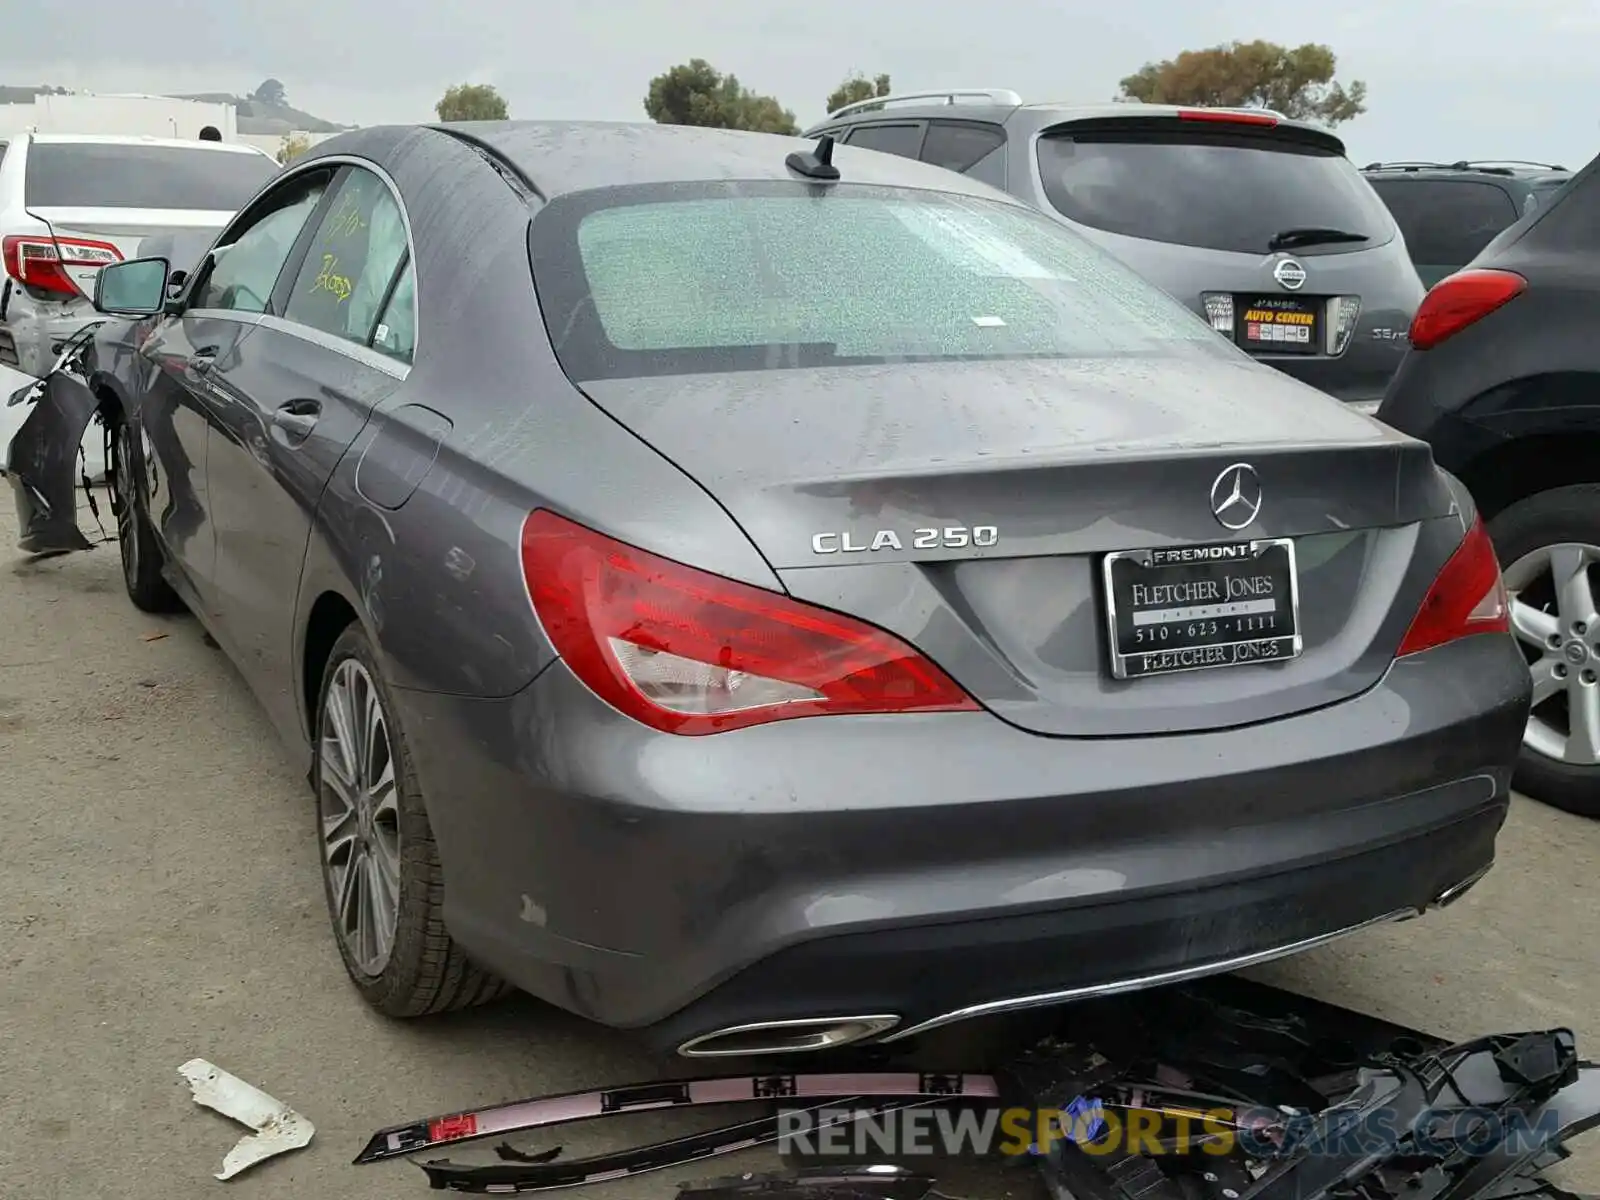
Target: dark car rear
<point>1502,380</point>
<point>1449,213</point>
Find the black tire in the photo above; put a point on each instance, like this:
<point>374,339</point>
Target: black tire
<point>425,971</point>
<point>142,558</point>
<point>1568,514</point>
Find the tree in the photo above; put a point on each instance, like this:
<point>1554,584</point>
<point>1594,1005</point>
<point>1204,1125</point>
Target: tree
<point>696,93</point>
<point>472,102</point>
<point>857,87</point>
<point>271,92</point>
<point>292,147</point>
<point>1297,83</point>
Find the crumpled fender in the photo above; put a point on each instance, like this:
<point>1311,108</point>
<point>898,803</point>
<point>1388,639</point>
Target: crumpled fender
<point>42,461</point>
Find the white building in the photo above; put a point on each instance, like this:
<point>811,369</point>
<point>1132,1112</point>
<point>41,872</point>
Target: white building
<point>149,116</point>
<point>136,116</point>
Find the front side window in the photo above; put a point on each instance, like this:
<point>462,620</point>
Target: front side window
<point>351,261</point>
<point>244,271</point>
<point>725,277</point>
<point>1217,191</point>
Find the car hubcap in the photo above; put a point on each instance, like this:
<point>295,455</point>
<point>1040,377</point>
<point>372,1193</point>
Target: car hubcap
<point>122,502</point>
<point>1553,615</point>
<point>360,813</point>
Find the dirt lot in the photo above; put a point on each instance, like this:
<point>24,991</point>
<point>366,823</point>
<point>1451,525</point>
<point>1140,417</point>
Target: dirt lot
<point>159,901</point>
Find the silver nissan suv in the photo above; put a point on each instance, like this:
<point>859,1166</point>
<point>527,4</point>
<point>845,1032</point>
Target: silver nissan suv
<point>1258,223</point>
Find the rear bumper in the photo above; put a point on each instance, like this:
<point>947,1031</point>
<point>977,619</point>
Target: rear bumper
<point>33,332</point>
<point>932,867</point>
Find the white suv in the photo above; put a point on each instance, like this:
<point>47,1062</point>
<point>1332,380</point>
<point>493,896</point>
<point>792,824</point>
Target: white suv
<point>70,204</point>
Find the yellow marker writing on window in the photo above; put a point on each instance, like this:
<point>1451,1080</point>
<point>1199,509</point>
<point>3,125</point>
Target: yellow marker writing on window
<point>329,280</point>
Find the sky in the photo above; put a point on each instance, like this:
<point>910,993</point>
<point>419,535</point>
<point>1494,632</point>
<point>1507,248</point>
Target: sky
<point>1446,79</point>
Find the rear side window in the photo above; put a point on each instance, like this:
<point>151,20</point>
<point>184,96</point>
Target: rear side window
<point>956,146</point>
<point>91,175</point>
<point>396,331</point>
<point>1446,222</point>
<point>1219,192</point>
<point>351,262</point>
<point>904,140</point>
<point>728,277</point>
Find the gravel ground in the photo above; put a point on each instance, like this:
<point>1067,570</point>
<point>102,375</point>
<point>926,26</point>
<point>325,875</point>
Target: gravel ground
<point>159,901</point>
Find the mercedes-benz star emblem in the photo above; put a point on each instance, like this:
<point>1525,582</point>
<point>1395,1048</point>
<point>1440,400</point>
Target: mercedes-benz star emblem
<point>1290,274</point>
<point>1236,496</point>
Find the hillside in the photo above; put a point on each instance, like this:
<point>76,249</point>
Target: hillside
<point>264,111</point>
<point>259,116</point>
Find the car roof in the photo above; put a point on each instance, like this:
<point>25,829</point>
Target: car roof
<point>1528,173</point>
<point>1045,113</point>
<point>560,157</point>
<point>112,139</point>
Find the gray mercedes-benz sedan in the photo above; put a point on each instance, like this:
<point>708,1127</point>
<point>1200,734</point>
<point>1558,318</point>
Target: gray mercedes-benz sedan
<point>771,597</point>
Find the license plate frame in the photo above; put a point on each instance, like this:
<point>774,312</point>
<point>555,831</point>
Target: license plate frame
<point>1218,625</point>
<point>1312,308</point>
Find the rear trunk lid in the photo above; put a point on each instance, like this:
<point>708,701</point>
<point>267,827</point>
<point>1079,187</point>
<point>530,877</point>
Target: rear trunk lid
<point>967,508</point>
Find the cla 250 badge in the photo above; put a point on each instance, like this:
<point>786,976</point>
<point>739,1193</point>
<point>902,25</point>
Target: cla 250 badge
<point>951,537</point>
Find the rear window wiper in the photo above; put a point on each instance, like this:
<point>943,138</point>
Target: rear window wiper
<point>1312,236</point>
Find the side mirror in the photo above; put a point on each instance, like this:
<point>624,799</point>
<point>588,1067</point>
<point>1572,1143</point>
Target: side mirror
<point>132,289</point>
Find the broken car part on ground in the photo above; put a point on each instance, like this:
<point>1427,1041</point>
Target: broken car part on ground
<point>278,1128</point>
<point>44,463</point>
<point>1239,1092</point>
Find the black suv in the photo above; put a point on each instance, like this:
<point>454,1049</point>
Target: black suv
<point>1503,379</point>
<point>1449,211</point>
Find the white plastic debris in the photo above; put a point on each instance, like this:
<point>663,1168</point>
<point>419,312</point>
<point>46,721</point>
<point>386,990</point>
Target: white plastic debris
<point>278,1128</point>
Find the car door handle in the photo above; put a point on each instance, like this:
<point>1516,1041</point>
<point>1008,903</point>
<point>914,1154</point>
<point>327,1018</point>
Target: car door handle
<point>297,416</point>
<point>203,359</point>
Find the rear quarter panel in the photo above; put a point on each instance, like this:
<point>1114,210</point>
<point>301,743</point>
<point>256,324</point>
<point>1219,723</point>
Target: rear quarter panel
<point>433,565</point>
<point>1531,366</point>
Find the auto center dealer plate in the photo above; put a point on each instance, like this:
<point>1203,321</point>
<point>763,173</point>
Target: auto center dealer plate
<point>1187,608</point>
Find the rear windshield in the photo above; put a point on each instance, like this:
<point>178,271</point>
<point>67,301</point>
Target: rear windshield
<point>94,175</point>
<point>1219,192</point>
<point>686,279</point>
<point>1446,222</point>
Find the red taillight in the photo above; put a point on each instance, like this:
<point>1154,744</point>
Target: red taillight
<point>1458,300</point>
<point>1226,116</point>
<point>41,261</point>
<point>687,652</point>
<point>1468,597</point>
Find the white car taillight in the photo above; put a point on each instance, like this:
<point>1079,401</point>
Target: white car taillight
<point>41,261</point>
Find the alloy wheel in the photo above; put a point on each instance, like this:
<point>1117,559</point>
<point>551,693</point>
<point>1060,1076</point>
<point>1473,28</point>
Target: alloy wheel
<point>1554,617</point>
<point>359,808</point>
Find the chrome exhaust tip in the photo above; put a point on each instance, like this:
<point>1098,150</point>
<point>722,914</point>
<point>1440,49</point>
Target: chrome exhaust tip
<point>1453,893</point>
<point>786,1037</point>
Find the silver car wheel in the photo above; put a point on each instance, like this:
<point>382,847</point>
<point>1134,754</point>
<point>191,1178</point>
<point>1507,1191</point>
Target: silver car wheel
<point>1554,617</point>
<point>360,810</point>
